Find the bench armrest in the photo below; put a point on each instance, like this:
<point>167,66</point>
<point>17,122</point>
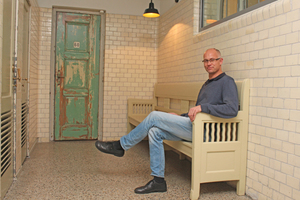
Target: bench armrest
<point>140,106</point>
<point>203,119</point>
<point>219,150</point>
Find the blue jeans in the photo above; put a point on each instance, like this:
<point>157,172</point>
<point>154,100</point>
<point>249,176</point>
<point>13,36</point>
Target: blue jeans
<point>159,126</point>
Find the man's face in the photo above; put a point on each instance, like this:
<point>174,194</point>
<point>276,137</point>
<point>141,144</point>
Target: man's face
<point>212,67</point>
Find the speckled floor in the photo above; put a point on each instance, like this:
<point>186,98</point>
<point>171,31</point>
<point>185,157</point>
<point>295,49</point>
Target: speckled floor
<point>77,170</point>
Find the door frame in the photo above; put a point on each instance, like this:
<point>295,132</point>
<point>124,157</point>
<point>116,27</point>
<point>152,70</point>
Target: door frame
<point>27,4</point>
<point>101,13</point>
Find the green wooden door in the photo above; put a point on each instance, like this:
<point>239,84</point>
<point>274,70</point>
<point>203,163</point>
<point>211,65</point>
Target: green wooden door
<point>77,76</point>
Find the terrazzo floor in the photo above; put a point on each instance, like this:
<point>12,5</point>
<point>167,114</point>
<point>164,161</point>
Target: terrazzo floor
<point>77,170</point>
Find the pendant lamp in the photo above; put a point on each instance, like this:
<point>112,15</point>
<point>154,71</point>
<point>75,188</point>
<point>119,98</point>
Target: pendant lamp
<point>151,12</point>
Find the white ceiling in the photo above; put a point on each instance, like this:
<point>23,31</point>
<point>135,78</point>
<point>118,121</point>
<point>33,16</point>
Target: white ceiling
<point>128,7</point>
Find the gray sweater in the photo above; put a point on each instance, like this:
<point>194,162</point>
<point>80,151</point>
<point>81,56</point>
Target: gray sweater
<point>218,97</point>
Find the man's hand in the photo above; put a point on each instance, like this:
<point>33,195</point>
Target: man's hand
<point>193,111</point>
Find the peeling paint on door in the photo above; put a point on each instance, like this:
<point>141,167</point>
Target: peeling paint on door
<point>77,76</point>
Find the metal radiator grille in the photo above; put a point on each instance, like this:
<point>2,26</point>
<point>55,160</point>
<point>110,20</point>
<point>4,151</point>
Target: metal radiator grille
<point>24,124</point>
<point>6,141</point>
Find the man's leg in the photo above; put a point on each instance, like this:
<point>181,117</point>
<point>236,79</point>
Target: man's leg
<point>176,125</point>
<point>159,126</point>
<point>126,142</point>
<point>165,127</point>
<point>157,161</point>
<point>157,153</point>
<point>169,127</point>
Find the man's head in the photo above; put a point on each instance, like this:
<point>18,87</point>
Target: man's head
<point>213,62</point>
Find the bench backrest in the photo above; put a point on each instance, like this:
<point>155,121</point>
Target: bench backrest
<point>185,95</point>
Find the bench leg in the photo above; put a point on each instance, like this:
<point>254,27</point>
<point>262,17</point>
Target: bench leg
<point>194,195</point>
<point>195,177</point>
<point>181,156</point>
<point>241,187</point>
<point>195,185</point>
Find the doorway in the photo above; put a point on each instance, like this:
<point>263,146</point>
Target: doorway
<point>77,74</point>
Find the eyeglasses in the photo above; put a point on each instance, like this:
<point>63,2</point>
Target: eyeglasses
<point>211,60</point>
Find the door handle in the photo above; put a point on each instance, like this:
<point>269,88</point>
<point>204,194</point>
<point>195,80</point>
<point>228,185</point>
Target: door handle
<point>18,75</point>
<point>59,76</point>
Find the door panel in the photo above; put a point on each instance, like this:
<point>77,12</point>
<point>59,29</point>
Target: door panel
<point>77,76</point>
<point>7,55</point>
<point>7,97</point>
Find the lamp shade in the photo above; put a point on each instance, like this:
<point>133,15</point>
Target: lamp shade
<point>151,11</point>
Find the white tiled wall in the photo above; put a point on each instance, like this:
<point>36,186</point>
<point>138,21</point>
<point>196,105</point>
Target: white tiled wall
<point>130,68</point>
<point>263,45</point>
<point>43,72</point>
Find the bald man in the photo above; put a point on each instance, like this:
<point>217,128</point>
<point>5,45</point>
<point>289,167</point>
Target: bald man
<point>218,96</point>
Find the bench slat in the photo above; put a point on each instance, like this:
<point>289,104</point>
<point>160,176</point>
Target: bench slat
<point>184,91</point>
<point>159,108</point>
<point>185,106</point>
<point>136,119</point>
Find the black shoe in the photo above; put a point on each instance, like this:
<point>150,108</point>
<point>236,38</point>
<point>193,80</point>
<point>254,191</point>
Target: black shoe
<point>152,186</point>
<point>109,147</point>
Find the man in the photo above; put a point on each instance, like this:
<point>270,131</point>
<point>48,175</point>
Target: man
<point>218,97</point>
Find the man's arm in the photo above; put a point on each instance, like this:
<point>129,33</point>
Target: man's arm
<point>219,100</point>
<point>193,112</point>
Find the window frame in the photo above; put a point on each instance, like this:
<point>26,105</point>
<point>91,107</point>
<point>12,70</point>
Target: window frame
<point>239,13</point>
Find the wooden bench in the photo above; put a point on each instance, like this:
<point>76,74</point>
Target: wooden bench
<point>223,154</point>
